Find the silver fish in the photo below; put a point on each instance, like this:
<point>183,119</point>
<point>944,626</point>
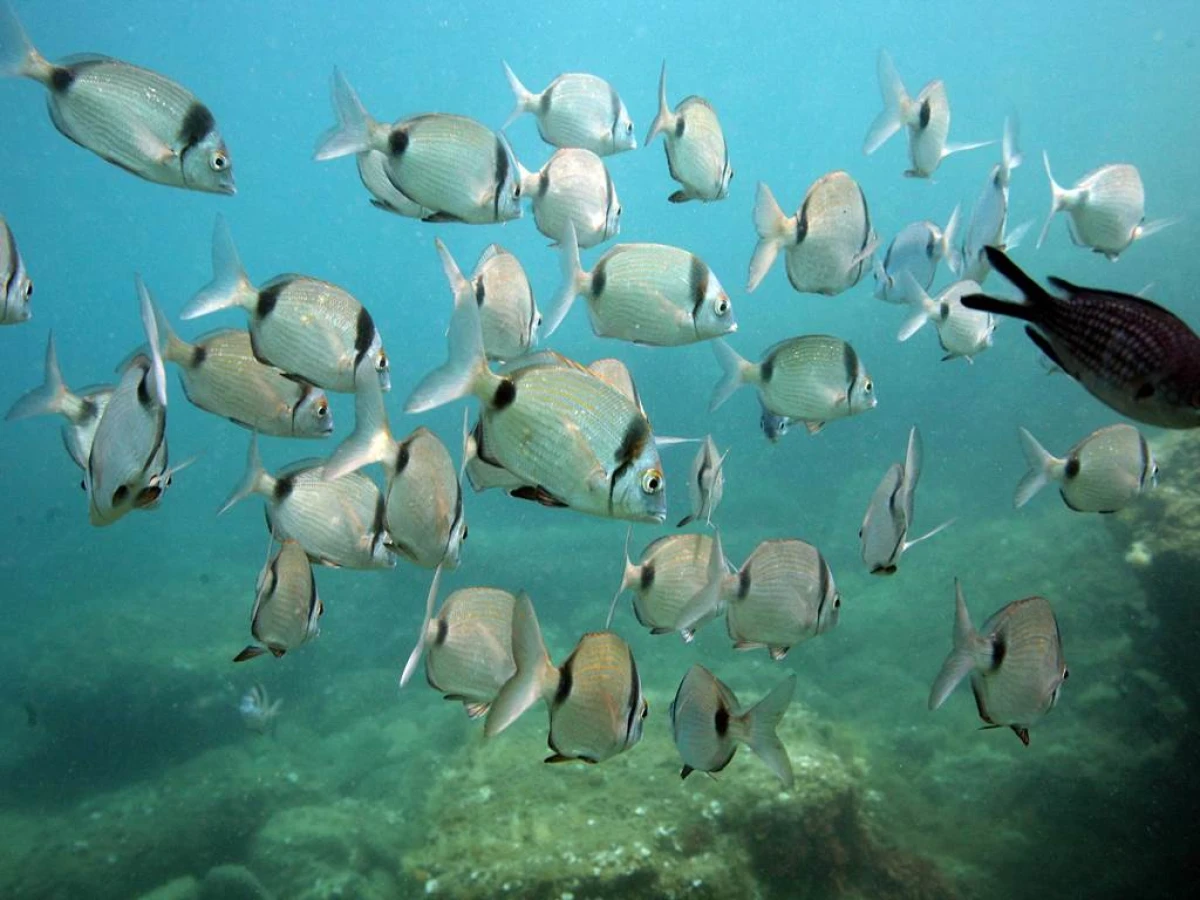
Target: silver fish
<point>287,609</point>
<point>422,496</point>
<point>773,425</point>
<point>707,724</point>
<point>576,110</point>
<point>457,168</point>
<point>1105,472</point>
<point>338,523</point>
<point>573,186</point>
<point>310,329</point>
<point>16,287</point>
<point>813,379</point>
<point>706,484</point>
<point>697,156</point>
<point>646,293</point>
<point>962,332</point>
<point>1131,354</point>
<point>889,517</point>
<point>916,249</point>
<point>783,594</point>
<point>373,172</point>
<point>1107,207</point>
<point>1015,662</point>
<point>508,316</point>
<point>669,573</point>
<point>582,442</point>
<point>82,409</point>
<point>134,118</point>
<point>829,242</point>
<point>989,215</point>
<point>927,118</point>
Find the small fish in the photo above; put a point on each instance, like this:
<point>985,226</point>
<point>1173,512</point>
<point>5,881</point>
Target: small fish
<point>697,156</point>
<point>127,464</point>
<point>916,249</point>
<point>829,241</point>
<point>962,332</point>
<point>573,186</point>
<point>310,329</point>
<point>669,573</point>
<point>579,440</point>
<point>1105,472</point>
<point>82,410</point>
<point>131,117</point>
<point>16,287</point>
<point>287,610</point>
<point>1107,208</point>
<point>927,118</point>
<point>1015,662</point>
<point>457,169</point>
<point>783,594</point>
<point>576,110</point>
<point>645,293</point>
<point>595,698</point>
<point>774,426</point>
<point>1132,355</point>
<point>338,523</point>
<point>707,724</point>
<point>258,711</point>
<point>813,379</point>
<point>707,483</point>
<point>422,496</point>
<point>508,316</point>
<point>373,172</point>
<point>889,517</point>
<point>989,215</point>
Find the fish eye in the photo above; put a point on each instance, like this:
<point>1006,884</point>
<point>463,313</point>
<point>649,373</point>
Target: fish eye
<point>651,481</point>
<point>837,601</point>
<point>722,306</point>
<point>1066,674</point>
<point>629,128</point>
<point>516,189</point>
<point>869,386</point>
<point>323,408</point>
<point>465,532</point>
<point>219,162</point>
<point>28,289</point>
<point>381,364</point>
<point>538,321</point>
<point>731,174</point>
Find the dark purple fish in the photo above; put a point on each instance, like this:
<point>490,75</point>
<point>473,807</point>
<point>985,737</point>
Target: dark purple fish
<point>1131,354</point>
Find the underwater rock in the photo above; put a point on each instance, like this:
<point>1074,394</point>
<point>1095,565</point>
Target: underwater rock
<point>184,888</point>
<point>232,883</point>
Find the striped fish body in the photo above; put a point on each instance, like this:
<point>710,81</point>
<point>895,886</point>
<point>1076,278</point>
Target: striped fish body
<point>1106,207</point>
<point>456,167</point>
<point>16,287</point>
<point>313,330</point>
<point>657,295</point>
<point>915,250</point>
<point>706,483</point>
<point>80,431</point>
<point>221,375</point>
<point>372,171</point>
<point>574,186</point>
<point>581,110</point>
<point>814,378</point>
<point>962,331</point>
<point>286,605</point>
<point>508,315</point>
<point>338,523</point>
<point>671,571</point>
<point>833,228</point>
<point>784,594</point>
<point>989,218</point>
<point>424,502</point>
<point>885,523</point>
<point>468,654</point>
<point>1131,354</point>
<point>598,708</point>
<point>1108,470</point>
<point>697,156</point>
<point>705,721</point>
<point>928,130</point>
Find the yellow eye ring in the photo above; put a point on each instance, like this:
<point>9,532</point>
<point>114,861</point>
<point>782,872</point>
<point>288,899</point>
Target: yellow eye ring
<point>652,481</point>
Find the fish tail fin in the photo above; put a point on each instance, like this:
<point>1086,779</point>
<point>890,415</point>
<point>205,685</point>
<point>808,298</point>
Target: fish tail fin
<point>230,286</point>
<point>883,283</point>
<point>356,131</point>
<point>254,479</point>
<point>916,297</point>
<point>414,658</point>
<point>773,230</point>
<point>949,233</point>
<point>525,100</point>
<point>1012,240</point>
<point>895,101</point>
<point>1058,199</point>
<point>574,280</point>
<point>665,120</point>
<point>1035,296</point>
<point>459,285</point>
<point>908,545</point>
<point>708,601</point>
<point>174,348</point>
<point>53,397</point>
<point>1043,468</point>
<point>962,659</point>
<point>1146,229</point>
<point>628,579</point>
<point>371,441</point>
<point>760,722</point>
<point>150,323</point>
<point>1010,153</point>
<point>18,56</point>
<point>735,373</point>
<point>535,677</point>
<point>465,370</point>
<point>953,147</point>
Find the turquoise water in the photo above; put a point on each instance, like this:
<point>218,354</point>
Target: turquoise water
<point>120,700</point>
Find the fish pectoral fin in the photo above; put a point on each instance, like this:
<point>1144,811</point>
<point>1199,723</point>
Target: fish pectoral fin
<point>748,645</point>
<point>153,147</point>
<point>1022,733</point>
<point>555,758</point>
<point>680,197</point>
<point>778,653</point>
<point>441,217</point>
<point>475,709</point>
<point>813,427</point>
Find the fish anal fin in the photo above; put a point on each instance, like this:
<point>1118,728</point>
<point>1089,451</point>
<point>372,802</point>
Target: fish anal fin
<point>813,427</point>
<point>747,645</point>
<point>537,494</point>
<point>475,709</point>
<point>249,653</point>
<point>680,197</point>
<point>556,758</point>
<point>440,217</point>
<point>778,653</point>
<point>685,772</point>
<point>1021,732</point>
<point>1044,345</point>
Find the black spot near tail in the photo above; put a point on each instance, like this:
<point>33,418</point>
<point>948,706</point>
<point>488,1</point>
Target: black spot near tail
<point>743,589</point>
<point>283,488</point>
<point>698,284</point>
<point>680,124</point>
<point>565,681</point>
<point>926,113</point>
<point>999,651</point>
<point>767,368</point>
<point>397,141</point>
<point>721,721</point>
<point>505,394</point>
<point>1072,468</point>
<point>802,223</point>
<point>480,292</point>
<point>600,277</point>
<point>442,631</point>
<point>267,298</point>
<point>402,457</point>
<point>199,355</point>
<point>647,579</point>
<point>61,79</point>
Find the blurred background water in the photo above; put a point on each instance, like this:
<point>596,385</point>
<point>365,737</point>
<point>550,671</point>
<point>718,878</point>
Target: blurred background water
<point>116,638</point>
